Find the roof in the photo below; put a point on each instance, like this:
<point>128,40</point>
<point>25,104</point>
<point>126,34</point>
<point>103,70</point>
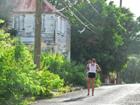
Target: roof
<point>30,6</point>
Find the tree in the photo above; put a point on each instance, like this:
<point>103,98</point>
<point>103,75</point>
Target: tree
<point>103,31</point>
<point>110,40</point>
<point>131,74</point>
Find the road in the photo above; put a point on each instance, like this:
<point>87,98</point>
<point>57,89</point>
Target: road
<point>128,94</point>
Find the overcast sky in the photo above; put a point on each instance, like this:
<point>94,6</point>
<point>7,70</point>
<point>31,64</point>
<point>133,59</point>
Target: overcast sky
<point>134,5</point>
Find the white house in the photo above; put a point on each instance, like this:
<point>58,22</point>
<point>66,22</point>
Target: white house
<point>56,30</point>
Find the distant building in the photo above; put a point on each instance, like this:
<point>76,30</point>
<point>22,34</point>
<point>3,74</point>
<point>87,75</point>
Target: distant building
<point>56,30</point>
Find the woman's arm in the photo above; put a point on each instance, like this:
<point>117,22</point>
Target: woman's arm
<point>87,67</point>
<point>98,68</point>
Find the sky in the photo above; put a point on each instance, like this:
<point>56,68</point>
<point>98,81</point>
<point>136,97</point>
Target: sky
<point>133,5</point>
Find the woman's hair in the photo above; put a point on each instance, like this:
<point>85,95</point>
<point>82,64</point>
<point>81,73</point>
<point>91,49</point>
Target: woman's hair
<point>93,60</point>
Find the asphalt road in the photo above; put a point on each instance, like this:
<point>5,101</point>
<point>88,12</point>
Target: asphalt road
<point>128,94</point>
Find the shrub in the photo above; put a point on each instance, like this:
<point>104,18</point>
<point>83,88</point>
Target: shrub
<point>98,80</point>
<point>72,73</point>
<point>49,81</point>
<point>19,78</point>
<point>16,67</point>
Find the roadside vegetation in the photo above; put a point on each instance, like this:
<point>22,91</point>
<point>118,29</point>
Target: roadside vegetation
<point>21,82</point>
<point>131,73</point>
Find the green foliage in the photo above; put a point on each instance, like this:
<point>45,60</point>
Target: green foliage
<point>14,78</point>
<point>68,71</point>
<point>131,73</point>
<point>52,61</point>
<point>115,36</point>
<point>72,73</point>
<point>1,21</point>
<point>118,40</point>
<point>49,81</point>
<point>98,80</point>
<point>18,77</point>
<point>109,43</point>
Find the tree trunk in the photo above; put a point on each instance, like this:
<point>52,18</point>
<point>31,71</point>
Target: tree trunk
<point>118,78</point>
<point>37,42</point>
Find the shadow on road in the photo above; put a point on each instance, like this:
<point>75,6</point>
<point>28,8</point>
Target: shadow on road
<point>75,99</point>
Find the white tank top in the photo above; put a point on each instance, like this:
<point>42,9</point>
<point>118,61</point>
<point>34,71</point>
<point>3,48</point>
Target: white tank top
<point>92,68</point>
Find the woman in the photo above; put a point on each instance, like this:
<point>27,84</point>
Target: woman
<point>93,67</point>
<point>87,69</point>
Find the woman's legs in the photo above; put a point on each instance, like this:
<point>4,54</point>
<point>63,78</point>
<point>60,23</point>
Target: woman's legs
<point>88,85</point>
<point>93,79</point>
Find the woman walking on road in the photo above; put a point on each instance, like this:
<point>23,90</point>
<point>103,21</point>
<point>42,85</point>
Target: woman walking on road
<point>92,68</point>
<point>87,68</point>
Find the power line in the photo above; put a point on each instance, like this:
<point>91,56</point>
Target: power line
<point>70,5</point>
<point>81,21</point>
<point>89,2</point>
<point>85,25</point>
<point>84,17</point>
<point>81,31</point>
<point>62,9</point>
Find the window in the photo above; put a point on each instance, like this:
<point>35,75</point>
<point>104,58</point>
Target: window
<point>17,22</point>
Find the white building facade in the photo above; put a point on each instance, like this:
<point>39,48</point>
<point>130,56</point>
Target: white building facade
<point>55,30</point>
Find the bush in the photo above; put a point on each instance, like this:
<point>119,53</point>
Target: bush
<point>98,80</point>
<point>15,79</point>
<point>18,78</point>
<point>131,73</point>
<point>50,81</point>
<point>72,73</point>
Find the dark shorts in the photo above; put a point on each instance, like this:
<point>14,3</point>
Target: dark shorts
<point>91,75</point>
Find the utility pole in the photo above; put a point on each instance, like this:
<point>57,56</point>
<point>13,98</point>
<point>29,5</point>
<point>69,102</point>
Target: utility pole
<point>120,3</point>
<point>118,73</point>
<point>37,42</point>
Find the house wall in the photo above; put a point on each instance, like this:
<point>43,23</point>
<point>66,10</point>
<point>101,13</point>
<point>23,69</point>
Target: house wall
<point>55,31</point>
<point>63,36</point>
